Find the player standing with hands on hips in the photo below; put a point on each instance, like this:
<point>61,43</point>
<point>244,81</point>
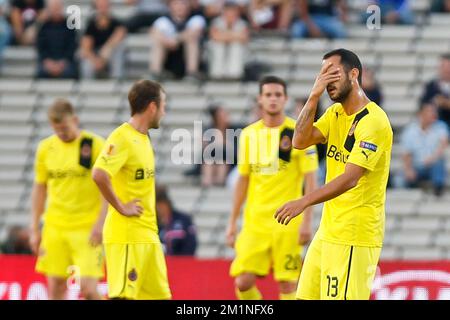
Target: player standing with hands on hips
<point>125,175</point>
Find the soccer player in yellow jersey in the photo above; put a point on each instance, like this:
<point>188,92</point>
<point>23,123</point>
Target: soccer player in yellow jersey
<point>125,174</point>
<point>342,259</point>
<point>271,172</point>
<point>74,214</point>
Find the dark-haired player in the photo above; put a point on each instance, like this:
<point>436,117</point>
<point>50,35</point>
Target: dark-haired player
<point>342,259</point>
<point>125,174</point>
<point>271,172</point>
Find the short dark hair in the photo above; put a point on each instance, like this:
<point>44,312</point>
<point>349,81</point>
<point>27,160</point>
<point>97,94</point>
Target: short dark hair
<point>348,59</point>
<point>142,93</point>
<point>272,79</point>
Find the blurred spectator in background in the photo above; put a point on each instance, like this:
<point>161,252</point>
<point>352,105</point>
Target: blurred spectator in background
<point>17,241</point>
<point>320,18</point>
<point>176,230</point>
<point>371,86</point>
<point>176,42</point>
<point>102,51</point>
<point>147,11</point>
<point>56,45</point>
<point>393,11</point>
<point>229,36</point>
<point>438,90</point>
<point>25,16</point>
<point>270,14</point>
<point>440,6</point>
<point>423,144</point>
<point>5,29</point>
<point>215,167</point>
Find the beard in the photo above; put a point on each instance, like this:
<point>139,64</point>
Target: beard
<point>342,95</point>
<point>154,124</point>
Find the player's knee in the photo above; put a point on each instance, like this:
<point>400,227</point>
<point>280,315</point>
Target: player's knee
<point>244,282</point>
<point>89,292</point>
<point>287,286</point>
<point>56,289</point>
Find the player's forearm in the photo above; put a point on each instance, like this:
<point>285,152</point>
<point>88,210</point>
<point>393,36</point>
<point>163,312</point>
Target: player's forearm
<point>310,186</point>
<point>103,182</point>
<point>103,212</point>
<point>304,126</point>
<point>38,197</point>
<point>332,189</point>
<point>240,194</point>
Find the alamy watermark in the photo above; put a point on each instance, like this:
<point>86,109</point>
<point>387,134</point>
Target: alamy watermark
<point>373,21</point>
<point>73,21</point>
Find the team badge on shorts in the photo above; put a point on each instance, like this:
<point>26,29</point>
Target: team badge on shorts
<point>132,275</point>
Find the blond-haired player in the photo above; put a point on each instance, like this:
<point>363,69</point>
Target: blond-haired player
<point>71,205</point>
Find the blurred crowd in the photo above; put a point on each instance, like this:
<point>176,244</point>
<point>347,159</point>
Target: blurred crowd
<point>191,39</point>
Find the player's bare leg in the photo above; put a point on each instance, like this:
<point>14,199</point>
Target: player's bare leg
<point>246,288</point>
<point>88,288</point>
<point>287,290</point>
<point>56,288</point>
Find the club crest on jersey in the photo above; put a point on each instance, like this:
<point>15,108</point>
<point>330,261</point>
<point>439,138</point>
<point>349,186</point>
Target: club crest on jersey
<point>352,129</point>
<point>110,150</point>
<point>86,151</point>
<point>368,146</point>
<point>285,143</point>
<point>132,275</point>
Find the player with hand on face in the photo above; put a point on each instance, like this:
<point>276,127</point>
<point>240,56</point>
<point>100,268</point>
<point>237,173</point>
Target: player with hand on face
<point>342,258</point>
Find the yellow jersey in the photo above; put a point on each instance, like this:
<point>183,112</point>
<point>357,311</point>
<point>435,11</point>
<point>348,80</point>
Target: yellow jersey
<point>73,199</point>
<point>129,161</point>
<point>357,216</point>
<point>275,170</point>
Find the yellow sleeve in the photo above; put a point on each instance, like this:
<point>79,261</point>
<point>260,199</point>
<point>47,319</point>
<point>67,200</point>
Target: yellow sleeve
<point>323,124</point>
<point>309,160</point>
<point>114,155</point>
<point>369,144</point>
<point>243,156</point>
<point>40,169</point>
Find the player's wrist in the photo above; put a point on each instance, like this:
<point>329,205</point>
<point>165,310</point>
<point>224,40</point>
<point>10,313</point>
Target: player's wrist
<point>315,96</point>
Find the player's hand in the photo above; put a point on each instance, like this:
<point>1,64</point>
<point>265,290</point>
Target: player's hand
<point>305,234</point>
<point>231,234</point>
<point>289,211</point>
<point>327,75</point>
<point>132,208</point>
<point>35,241</point>
<point>96,235</point>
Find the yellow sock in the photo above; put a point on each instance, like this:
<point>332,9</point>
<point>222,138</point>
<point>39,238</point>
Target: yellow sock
<point>251,294</point>
<point>287,296</point>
